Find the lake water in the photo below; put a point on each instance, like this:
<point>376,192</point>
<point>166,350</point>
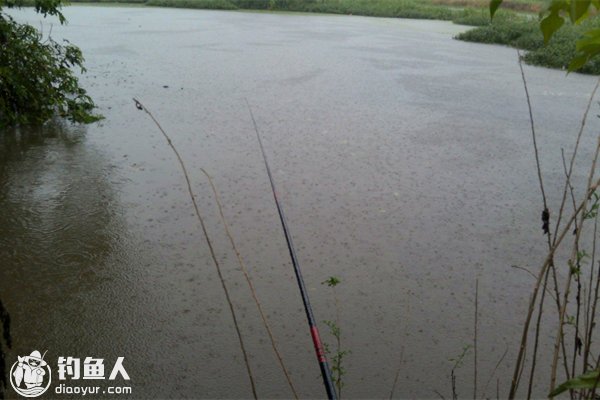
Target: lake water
<point>404,163</point>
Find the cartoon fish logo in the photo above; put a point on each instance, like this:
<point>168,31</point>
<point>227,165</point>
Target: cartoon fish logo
<point>30,376</point>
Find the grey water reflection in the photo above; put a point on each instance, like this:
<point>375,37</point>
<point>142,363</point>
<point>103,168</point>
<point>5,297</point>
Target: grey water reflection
<point>60,237</point>
<point>81,278</point>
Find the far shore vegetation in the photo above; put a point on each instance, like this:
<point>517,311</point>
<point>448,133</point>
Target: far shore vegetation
<point>516,25</point>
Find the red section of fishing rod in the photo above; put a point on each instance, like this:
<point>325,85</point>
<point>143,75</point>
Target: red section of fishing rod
<point>314,330</point>
<point>325,372</point>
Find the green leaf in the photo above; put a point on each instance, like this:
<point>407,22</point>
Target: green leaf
<point>589,42</point>
<point>577,62</point>
<point>585,381</point>
<point>587,47</point>
<point>551,24</point>
<point>37,77</point>
<point>494,4</point>
<point>578,9</point>
<point>559,5</point>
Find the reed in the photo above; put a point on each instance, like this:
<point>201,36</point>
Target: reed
<point>566,231</point>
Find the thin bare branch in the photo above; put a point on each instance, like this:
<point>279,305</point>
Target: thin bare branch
<point>140,106</point>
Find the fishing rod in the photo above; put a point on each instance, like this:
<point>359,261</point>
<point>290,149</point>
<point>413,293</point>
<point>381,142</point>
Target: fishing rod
<point>211,248</point>
<point>312,323</point>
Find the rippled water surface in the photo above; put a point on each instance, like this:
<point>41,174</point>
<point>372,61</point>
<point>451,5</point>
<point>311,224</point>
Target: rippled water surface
<point>403,159</point>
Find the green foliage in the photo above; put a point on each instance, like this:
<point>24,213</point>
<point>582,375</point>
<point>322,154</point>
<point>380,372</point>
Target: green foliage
<point>200,4</point>
<point>337,359</point>
<point>587,45</point>
<point>516,32</point>
<point>375,8</point>
<point>524,33</point>
<point>593,211</point>
<point>458,361</point>
<point>140,2</point>
<point>473,17</point>
<point>550,25</point>
<point>494,4</point>
<point>581,256</point>
<point>469,13</point>
<point>332,281</point>
<point>588,380</point>
<point>37,80</point>
<point>44,7</point>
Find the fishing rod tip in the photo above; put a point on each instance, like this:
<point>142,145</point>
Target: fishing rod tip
<point>138,105</point>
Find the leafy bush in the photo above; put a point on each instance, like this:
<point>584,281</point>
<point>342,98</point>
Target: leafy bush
<point>510,32</point>
<point>37,80</point>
